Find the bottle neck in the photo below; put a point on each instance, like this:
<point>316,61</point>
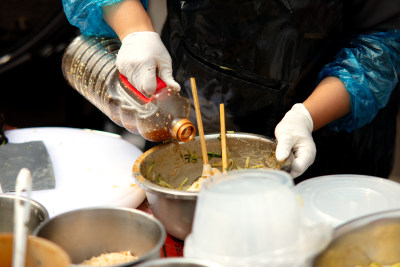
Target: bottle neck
<point>183,130</point>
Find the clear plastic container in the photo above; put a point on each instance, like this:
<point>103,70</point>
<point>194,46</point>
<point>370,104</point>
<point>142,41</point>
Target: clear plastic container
<point>89,67</point>
<point>247,218</point>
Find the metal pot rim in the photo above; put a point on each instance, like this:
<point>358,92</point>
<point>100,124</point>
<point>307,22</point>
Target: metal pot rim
<point>177,260</point>
<point>356,223</point>
<point>34,204</point>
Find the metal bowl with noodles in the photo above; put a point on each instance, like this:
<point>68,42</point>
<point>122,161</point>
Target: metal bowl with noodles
<point>165,171</point>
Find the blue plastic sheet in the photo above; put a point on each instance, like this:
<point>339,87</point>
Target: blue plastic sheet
<point>368,66</point>
<point>88,17</point>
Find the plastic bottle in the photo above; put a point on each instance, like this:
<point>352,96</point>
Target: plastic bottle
<point>89,67</point>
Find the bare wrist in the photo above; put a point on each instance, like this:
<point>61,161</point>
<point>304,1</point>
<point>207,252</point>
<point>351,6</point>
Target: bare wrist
<point>127,17</point>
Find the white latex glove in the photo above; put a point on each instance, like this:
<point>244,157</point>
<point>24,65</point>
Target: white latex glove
<point>143,55</point>
<point>293,132</point>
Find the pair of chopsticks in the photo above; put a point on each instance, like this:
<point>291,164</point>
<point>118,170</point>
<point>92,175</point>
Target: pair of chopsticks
<point>207,170</point>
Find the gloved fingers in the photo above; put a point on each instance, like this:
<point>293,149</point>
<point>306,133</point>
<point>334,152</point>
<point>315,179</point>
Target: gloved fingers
<point>166,76</point>
<point>285,143</point>
<point>172,83</point>
<point>165,73</point>
<point>134,73</point>
<point>304,156</point>
<point>146,80</point>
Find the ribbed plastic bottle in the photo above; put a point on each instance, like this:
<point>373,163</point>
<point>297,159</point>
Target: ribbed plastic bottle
<point>89,66</point>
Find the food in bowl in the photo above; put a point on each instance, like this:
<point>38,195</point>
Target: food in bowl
<point>108,259</point>
<point>368,240</point>
<point>39,252</point>
<point>244,151</point>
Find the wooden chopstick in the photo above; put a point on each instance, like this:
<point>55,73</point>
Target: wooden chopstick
<point>223,137</point>
<point>199,121</point>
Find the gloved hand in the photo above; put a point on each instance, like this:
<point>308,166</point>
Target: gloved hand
<point>293,132</point>
<point>143,55</point>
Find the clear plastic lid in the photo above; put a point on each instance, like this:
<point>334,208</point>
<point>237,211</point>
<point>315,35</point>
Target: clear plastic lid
<point>341,198</point>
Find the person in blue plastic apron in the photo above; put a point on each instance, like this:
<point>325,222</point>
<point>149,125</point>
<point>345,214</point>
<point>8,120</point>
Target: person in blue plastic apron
<point>320,75</point>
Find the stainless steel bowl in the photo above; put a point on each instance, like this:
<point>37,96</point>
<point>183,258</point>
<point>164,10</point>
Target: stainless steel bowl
<point>39,252</point>
<point>179,262</point>
<point>174,162</point>
<point>89,232</point>
<point>373,238</point>
<point>38,213</point>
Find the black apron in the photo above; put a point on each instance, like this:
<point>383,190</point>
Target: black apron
<point>259,58</point>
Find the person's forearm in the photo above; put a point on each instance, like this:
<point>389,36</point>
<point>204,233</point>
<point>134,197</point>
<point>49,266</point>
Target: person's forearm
<point>127,17</point>
<point>329,101</point>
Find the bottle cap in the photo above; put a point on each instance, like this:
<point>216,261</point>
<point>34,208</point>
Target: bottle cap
<point>183,130</point>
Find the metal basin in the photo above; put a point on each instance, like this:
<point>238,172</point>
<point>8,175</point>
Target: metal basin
<point>179,262</point>
<point>373,238</point>
<point>90,232</point>
<point>38,213</point>
<point>174,162</point>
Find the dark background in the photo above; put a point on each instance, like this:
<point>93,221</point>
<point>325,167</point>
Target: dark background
<point>33,91</point>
